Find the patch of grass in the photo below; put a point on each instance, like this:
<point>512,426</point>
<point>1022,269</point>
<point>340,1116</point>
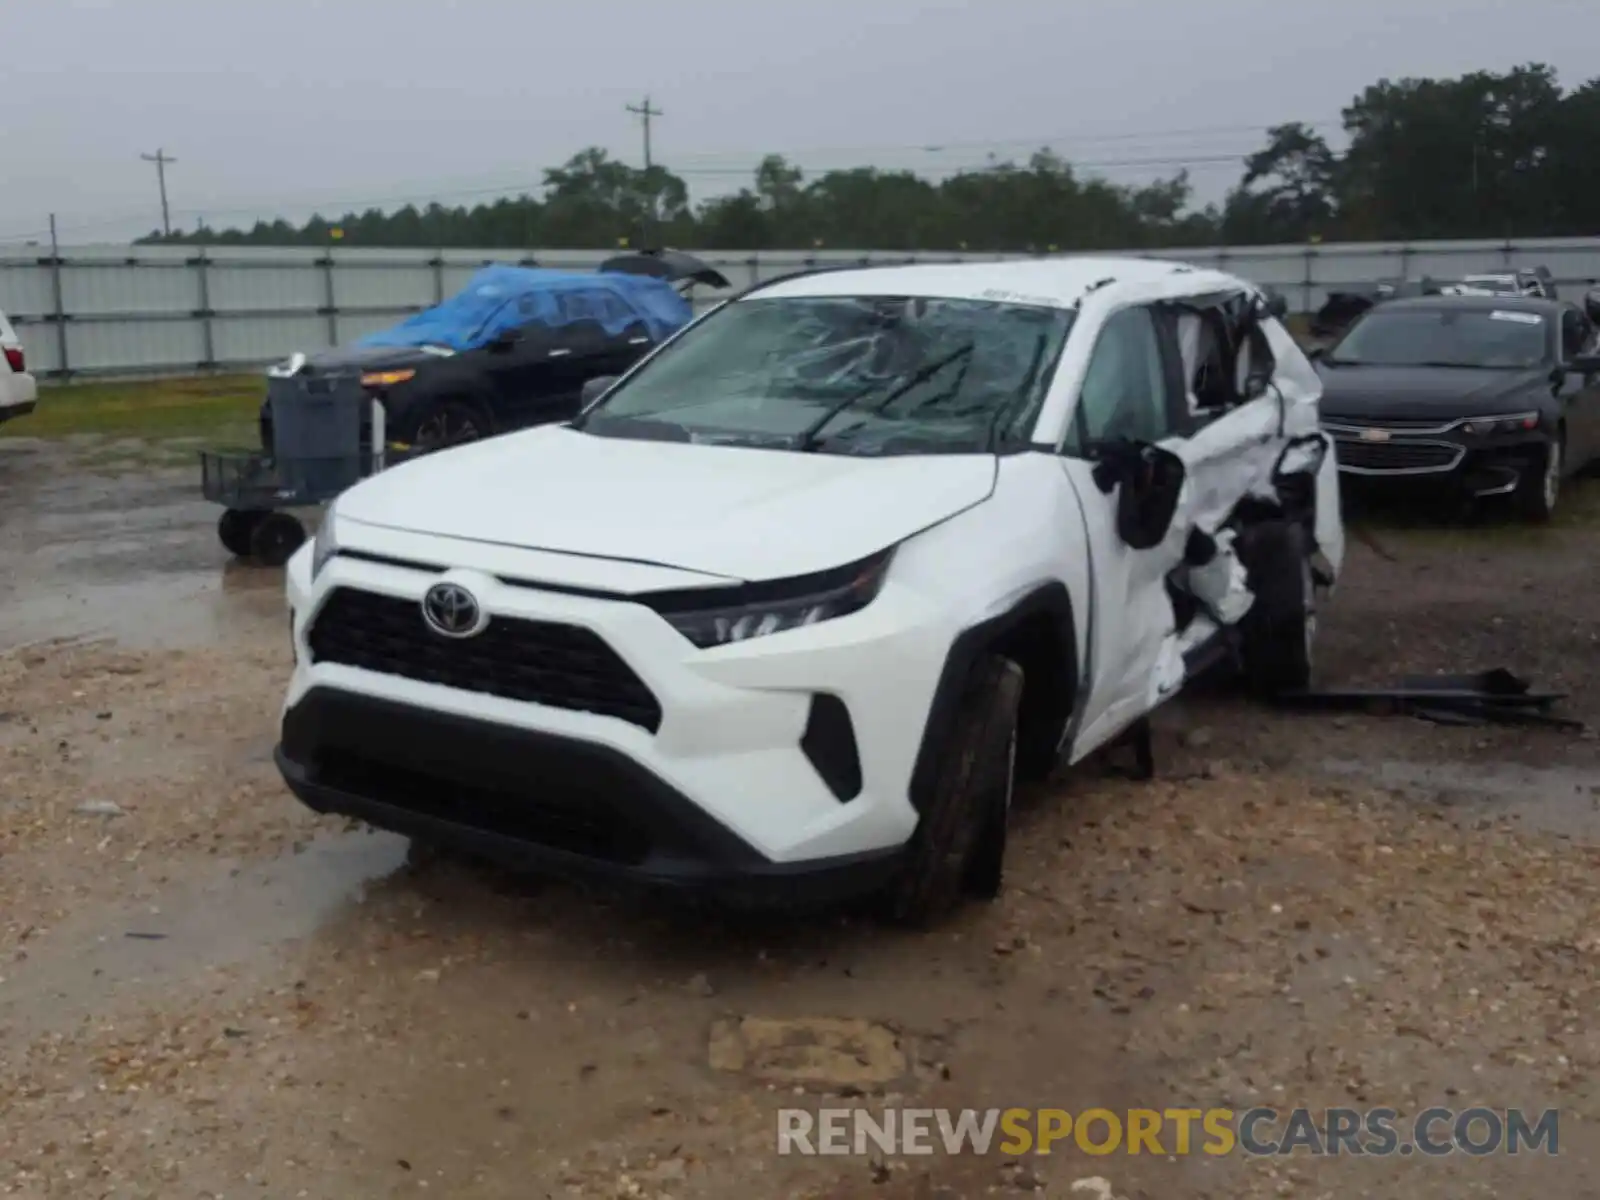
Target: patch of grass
<point>219,410</point>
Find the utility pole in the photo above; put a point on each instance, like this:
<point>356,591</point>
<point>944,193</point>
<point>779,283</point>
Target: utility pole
<point>161,160</point>
<point>644,112</point>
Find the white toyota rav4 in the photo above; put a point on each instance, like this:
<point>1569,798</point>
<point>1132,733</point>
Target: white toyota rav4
<point>791,605</point>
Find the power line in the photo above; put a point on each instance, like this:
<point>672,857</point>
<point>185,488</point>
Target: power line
<point>263,211</point>
<point>161,160</point>
<point>688,170</point>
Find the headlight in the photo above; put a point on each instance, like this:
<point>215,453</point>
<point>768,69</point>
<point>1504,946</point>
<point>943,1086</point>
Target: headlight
<point>326,543</point>
<point>1511,423</point>
<point>385,378</point>
<point>755,610</point>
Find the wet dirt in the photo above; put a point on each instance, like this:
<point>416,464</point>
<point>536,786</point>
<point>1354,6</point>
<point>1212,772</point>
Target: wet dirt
<point>206,990</point>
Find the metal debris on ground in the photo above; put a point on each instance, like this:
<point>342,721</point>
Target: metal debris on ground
<point>1489,696</point>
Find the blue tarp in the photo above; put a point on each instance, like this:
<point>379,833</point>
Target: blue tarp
<point>499,298</point>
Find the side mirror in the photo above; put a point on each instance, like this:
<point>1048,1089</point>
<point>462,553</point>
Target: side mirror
<point>1148,481</point>
<point>1316,353</point>
<point>504,340</point>
<point>594,388</point>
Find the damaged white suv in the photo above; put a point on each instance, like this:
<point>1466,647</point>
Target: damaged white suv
<point>788,608</point>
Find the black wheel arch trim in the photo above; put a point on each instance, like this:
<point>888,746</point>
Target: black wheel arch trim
<point>1052,600</point>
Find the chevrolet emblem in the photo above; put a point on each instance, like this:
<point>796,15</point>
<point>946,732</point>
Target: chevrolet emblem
<point>1374,435</point>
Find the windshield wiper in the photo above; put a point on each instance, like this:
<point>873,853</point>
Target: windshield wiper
<point>810,438</point>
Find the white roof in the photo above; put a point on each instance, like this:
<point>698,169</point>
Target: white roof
<point>1057,282</point>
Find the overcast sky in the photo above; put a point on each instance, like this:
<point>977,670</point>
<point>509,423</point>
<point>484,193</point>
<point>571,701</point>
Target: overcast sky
<point>282,106</point>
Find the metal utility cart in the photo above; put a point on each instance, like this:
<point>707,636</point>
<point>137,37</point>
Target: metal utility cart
<point>320,446</point>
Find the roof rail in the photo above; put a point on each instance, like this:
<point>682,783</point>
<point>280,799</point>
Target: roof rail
<point>800,274</point>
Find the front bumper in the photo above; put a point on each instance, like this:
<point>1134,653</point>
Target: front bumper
<point>535,801</point>
<point>721,779</point>
<point>1446,459</point>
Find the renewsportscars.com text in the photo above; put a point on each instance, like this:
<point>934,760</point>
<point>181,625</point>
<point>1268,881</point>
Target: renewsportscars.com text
<point>1256,1132</point>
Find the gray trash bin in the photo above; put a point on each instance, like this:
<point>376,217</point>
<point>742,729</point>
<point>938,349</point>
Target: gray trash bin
<point>316,434</point>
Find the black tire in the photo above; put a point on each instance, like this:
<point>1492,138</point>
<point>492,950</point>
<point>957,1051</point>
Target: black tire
<point>276,538</point>
<point>1277,633</point>
<point>235,528</point>
<point>449,423</point>
<point>1538,492</point>
<point>958,847</point>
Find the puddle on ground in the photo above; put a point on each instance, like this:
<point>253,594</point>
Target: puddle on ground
<point>1559,800</point>
<point>133,558</point>
<point>228,921</point>
<point>213,607</point>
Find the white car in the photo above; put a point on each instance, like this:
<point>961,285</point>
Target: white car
<point>786,609</point>
<point>1525,282</point>
<point>19,393</point>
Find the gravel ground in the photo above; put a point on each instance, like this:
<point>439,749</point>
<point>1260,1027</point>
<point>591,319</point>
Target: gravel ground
<point>206,991</point>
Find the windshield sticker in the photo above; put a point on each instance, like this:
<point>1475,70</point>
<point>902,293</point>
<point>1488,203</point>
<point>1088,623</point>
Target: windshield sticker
<point>1519,318</point>
<point>1006,297</point>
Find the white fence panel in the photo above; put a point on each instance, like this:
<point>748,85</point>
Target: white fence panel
<point>98,310</point>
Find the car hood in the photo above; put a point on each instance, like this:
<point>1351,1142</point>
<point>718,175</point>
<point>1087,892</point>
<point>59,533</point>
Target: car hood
<point>735,512</point>
<point>370,358</point>
<point>1372,393</point>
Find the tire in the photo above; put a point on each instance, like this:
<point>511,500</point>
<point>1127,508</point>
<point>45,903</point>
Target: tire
<point>958,847</point>
<point>449,423</point>
<point>1278,632</point>
<point>1538,492</point>
<point>275,539</point>
<point>235,528</point>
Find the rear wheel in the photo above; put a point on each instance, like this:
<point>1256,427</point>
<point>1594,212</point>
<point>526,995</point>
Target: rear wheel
<point>959,844</point>
<point>1280,629</point>
<point>235,528</point>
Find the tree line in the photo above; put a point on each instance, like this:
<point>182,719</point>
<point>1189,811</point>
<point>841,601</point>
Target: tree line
<point>1483,155</point>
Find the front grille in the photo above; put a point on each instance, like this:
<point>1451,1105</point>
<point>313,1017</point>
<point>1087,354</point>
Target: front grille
<point>1397,456</point>
<point>1405,423</point>
<point>1352,426</point>
<point>539,662</point>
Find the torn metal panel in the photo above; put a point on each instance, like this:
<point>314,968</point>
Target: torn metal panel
<point>1240,451</point>
<point>1220,583</point>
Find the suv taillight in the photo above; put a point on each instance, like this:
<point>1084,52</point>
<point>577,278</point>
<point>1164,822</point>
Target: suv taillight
<point>14,357</point>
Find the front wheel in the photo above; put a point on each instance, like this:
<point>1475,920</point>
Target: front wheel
<point>959,843</point>
<point>1280,628</point>
<point>449,423</point>
<point>1539,490</point>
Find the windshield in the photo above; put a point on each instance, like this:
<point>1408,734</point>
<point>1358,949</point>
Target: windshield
<point>1444,337</point>
<point>847,375</point>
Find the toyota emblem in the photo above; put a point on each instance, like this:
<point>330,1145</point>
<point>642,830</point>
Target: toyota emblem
<point>452,611</point>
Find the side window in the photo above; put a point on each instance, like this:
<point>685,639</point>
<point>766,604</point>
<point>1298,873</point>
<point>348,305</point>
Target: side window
<point>1124,392</point>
